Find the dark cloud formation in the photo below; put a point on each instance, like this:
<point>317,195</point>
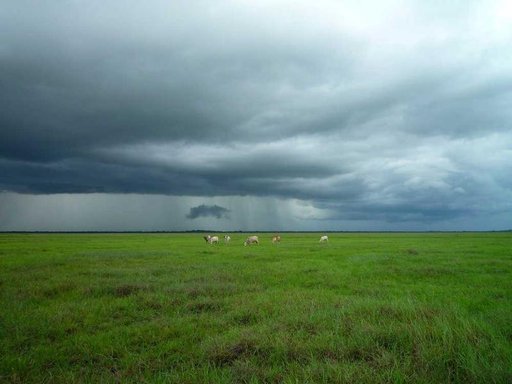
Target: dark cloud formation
<point>208,211</point>
<point>396,112</point>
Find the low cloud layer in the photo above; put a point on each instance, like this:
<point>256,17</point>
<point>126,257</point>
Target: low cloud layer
<point>208,211</point>
<point>393,113</point>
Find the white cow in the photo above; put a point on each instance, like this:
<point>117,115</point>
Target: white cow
<point>251,240</point>
<point>211,239</point>
<point>276,239</point>
<point>323,239</point>
<point>227,238</point>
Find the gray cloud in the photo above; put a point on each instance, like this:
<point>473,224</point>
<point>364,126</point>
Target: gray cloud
<point>208,211</point>
<point>364,115</point>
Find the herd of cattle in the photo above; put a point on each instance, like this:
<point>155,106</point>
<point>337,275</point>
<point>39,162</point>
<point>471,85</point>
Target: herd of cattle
<point>251,239</point>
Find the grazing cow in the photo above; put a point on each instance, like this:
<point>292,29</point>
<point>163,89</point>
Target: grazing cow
<point>211,239</point>
<point>323,239</point>
<point>227,238</point>
<point>251,240</point>
<point>276,239</point>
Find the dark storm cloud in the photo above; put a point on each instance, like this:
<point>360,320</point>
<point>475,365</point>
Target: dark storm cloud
<point>208,211</point>
<point>368,115</point>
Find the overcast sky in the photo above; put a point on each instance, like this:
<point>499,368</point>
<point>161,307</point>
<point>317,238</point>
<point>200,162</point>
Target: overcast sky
<point>254,115</point>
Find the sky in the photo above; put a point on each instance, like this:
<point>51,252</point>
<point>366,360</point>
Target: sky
<point>255,115</point>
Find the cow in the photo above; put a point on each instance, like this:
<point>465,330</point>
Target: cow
<point>251,240</point>
<point>211,239</point>
<point>276,239</point>
<point>227,238</point>
<point>323,239</point>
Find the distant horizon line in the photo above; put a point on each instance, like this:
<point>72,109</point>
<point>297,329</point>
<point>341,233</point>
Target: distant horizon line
<point>261,231</point>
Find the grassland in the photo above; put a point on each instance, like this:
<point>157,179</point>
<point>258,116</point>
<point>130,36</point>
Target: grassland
<point>365,308</point>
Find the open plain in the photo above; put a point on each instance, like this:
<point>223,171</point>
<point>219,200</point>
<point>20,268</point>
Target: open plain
<point>362,308</point>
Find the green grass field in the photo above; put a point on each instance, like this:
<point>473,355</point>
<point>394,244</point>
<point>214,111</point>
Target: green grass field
<point>364,308</point>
